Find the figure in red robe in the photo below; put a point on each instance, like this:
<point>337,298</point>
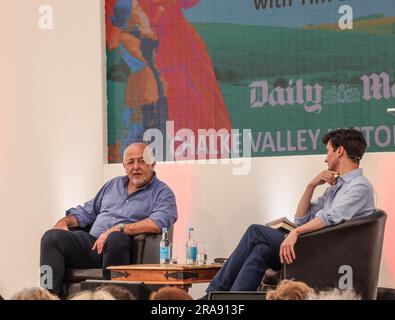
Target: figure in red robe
<point>194,97</point>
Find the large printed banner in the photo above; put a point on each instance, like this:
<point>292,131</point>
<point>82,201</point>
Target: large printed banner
<point>275,75</point>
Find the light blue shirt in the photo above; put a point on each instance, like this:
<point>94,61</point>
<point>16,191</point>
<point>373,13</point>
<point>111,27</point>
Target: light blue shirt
<point>351,197</point>
<point>113,205</point>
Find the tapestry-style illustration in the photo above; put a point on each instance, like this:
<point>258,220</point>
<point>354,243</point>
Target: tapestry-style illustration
<point>286,70</point>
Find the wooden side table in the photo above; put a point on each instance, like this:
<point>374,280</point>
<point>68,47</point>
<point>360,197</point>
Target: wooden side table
<point>179,275</point>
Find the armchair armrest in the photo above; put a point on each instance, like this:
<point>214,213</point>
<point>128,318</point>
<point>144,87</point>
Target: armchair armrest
<point>145,248</point>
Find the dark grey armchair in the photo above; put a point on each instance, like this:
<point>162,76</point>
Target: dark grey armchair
<point>145,249</point>
<point>354,247</point>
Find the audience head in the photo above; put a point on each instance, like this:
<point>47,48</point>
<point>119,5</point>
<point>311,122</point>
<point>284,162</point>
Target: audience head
<point>118,292</point>
<point>92,295</point>
<point>290,290</point>
<point>335,294</point>
<point>170,293</point>
<point>34,293</point>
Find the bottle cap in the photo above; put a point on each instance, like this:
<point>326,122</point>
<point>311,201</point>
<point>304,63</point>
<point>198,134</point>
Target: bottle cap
<point>190,229</point>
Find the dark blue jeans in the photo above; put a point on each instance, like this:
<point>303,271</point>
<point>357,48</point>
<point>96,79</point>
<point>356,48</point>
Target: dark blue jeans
<point>257,251</point>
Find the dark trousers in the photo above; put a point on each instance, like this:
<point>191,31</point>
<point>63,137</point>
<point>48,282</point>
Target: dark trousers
<point>257,251</point>
<point>62,249</point>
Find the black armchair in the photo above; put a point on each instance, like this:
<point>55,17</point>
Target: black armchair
<point>356,245</point>
<point>145,249</point>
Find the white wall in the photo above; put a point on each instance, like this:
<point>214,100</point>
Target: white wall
<point>221,206</point>
<point>51,125</point>
<point>52,142</point>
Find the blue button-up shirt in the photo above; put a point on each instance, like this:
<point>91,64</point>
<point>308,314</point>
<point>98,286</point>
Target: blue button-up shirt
<point>113,205</point>
<point>351,197</point>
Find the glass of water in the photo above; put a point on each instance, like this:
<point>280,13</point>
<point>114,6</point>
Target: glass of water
<point>174,253</point>
<point>202,253</point>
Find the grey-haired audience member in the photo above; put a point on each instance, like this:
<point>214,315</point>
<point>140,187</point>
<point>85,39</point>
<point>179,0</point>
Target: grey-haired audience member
<point>34,293</point>
<point>335,294</point>
<point>92,295</point>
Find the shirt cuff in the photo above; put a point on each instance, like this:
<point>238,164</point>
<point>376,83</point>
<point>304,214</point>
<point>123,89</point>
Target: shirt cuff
<point>74,212</point>
<point>301,220</point>
<point>324,218</point>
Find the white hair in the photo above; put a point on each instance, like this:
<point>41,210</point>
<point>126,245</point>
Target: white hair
<point>335,294</point>
<point>148,155</point>
<point>89,295</point>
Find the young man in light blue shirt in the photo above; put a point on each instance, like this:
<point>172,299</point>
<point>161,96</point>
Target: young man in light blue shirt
<point>349,196</point>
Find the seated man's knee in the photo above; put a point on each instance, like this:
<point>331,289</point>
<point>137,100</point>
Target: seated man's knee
<point>118,240</point>
<point>52,236</point>
<point>254,228</point>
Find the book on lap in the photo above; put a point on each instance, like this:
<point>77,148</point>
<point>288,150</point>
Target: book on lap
<point>282,224</point>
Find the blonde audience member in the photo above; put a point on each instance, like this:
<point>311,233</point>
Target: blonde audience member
<point>290,290</point>
<point>118,292</point>
<point>170,293</point>
<point>34,293</point>
<point>335,294</point>
<point>92,295</point>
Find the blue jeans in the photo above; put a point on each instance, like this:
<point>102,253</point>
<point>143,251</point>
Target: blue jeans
<point>257,251</point>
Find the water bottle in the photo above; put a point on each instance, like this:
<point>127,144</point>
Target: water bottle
<point>164,247</point>
<point>191,247</point>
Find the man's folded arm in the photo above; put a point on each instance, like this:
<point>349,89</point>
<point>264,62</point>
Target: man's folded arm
<point>165,209</point>
<point>67,222</point>
<point>306,208</point>
<point>313,225</point>
<point>352,204</point>
<point>163,216</point>
<point>143,226</point>
<point>86,214</point>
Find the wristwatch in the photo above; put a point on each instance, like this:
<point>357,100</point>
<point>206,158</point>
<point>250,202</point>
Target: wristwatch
<point>121,227</point>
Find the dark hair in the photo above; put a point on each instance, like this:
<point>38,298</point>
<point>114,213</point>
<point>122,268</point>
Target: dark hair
<point>350,139</point>
<point>118,292</point>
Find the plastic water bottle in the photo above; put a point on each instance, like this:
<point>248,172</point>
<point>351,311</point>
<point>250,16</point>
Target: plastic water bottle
<point>164,247</point>
<point>191,248</point>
